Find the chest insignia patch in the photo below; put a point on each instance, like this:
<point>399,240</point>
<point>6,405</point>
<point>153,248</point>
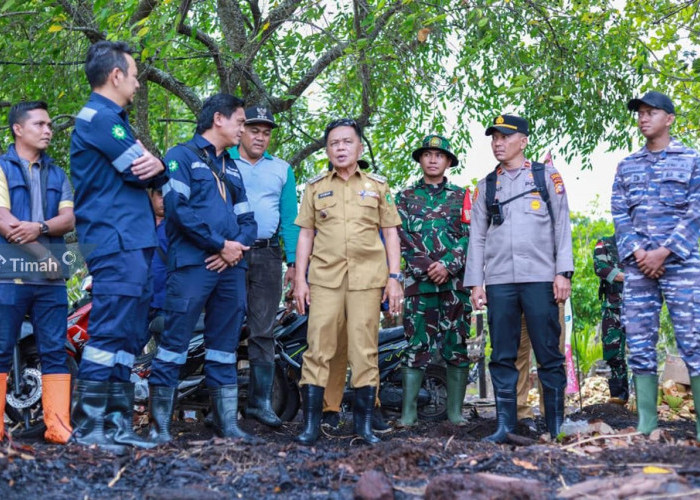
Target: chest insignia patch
<point>323,214</point>
<point>173,165</point>
<point>535,204</point>
<point>325,195</point>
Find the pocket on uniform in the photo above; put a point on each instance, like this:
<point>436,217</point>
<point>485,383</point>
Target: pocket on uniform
<point>673,193</point>
<point>535,205</point>
<point>325,208</point>
<point>369,201</point>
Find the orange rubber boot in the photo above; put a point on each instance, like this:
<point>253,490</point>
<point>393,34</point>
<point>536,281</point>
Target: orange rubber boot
<point>3,393</point>
<point>55,397</point>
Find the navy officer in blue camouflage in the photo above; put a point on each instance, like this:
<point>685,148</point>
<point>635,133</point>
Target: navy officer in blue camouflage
<point>209,224</point>
<point>111,172</point>
<point>656,211</point>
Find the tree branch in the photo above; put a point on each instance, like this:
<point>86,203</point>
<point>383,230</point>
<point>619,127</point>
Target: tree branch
<point>170,83</point>
<point>82,16</point>
<point>232,24</point>
<point>143,10</point>
<point>277,17</point>
<point>208,42</point>
<point>255,10</point>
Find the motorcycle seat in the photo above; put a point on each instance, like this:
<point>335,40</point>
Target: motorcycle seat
<point>393,334</point>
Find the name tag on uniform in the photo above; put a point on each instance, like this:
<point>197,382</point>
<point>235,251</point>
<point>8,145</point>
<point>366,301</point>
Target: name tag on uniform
<point>371,194</point>
<point>325,195</point>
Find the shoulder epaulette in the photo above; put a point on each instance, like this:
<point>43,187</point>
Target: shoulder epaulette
<point>377,177</point>
<point>317,178</point>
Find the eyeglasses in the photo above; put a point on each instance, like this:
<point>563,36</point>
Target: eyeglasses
<point>342,122</point>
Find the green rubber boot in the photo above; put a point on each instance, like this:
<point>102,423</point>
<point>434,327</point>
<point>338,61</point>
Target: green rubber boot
<point>411,380</point>
<point>647,389</point>
<point>695,384</point>
<point>456,388</point>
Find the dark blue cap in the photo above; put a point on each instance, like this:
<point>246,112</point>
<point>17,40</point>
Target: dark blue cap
<point>655,100</point>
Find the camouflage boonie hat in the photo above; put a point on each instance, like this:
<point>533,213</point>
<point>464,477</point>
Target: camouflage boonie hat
<point>438,142</point>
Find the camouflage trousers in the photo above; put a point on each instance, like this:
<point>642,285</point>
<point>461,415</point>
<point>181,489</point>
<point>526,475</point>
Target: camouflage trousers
<point>679,286</point>
<point>433,318</point>
<point>614,343</point>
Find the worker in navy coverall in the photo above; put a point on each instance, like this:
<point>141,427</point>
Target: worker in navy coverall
<point>209,224</point>
<point>111,172</point>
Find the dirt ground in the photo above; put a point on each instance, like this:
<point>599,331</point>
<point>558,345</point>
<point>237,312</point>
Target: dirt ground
<point>199,466</point>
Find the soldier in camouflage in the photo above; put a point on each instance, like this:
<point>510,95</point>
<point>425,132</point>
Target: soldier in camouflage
<point>607,268</point>
<point>434,236</point>
<point>656,210</point>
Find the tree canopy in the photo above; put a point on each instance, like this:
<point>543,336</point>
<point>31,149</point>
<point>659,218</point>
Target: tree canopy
<point>401,68</point>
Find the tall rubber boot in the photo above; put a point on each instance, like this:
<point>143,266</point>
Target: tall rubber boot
<point>161,401</point>
<point>553,410</point>
<point>362,408</point>
<point>259,406</point>
<point>695,385</point>
<point>378,422</point>
<point>411,381</point>
<point>119,418</point>
<point>507,413</point>
<point>647,389</point>
<point>313,407</point>
<point>88,416</point>
<point>3,395</point>
<point>224,405</point>
<point>456,389</point>
<point>55,398</point>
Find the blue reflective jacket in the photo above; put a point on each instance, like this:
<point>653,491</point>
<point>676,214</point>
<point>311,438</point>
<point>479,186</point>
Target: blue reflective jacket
<point>112,209</point>
<point>197,218</point>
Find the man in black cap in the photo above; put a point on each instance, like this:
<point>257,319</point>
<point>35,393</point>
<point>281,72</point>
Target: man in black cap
<point>434,236</point>
<point>271,190</point>
<point>520,214</point>
<point>655,208</point>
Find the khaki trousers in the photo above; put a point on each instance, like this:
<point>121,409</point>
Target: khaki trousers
<point>337,316</point>
<point>522,364</point>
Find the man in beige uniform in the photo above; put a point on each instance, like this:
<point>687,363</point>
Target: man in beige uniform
<point>340,217</point>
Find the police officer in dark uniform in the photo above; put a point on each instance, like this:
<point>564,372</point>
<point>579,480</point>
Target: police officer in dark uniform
<point>111,172</point>
<point>209,224</point>
<point>522,252</point>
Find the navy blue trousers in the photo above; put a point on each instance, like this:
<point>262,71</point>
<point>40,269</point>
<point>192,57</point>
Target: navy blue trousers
<point>222,296</point>
<point>506,305</point>
<point>47,308</point>
<point>118,326</point>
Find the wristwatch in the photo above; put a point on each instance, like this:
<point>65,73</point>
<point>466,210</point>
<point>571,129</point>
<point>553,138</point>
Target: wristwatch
<point>397,276</point>
<point>567,274</point>
<point>44,227</point>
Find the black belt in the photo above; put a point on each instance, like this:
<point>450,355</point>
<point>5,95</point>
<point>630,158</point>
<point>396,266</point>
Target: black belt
<point>269,242</point>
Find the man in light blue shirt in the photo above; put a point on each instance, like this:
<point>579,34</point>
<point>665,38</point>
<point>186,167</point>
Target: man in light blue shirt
<point>271,189</point>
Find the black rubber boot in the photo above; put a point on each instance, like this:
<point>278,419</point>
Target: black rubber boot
<point>119,417</point>
<point>553,410</point>
<point>259,394</point>
<point>88,416</point>
<point>619,390</point>
<point>507,412</point>
<point>224,405</point>
<point>362,408</point>
<point>378,422</point>
<point>313,407</point>
<point>162,401</point>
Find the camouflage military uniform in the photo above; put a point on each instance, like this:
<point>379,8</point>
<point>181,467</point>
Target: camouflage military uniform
<point>655,203</point>
<point>432,230</point>
<point>606,265</point>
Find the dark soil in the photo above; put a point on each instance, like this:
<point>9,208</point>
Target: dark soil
<point>199,466</point>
